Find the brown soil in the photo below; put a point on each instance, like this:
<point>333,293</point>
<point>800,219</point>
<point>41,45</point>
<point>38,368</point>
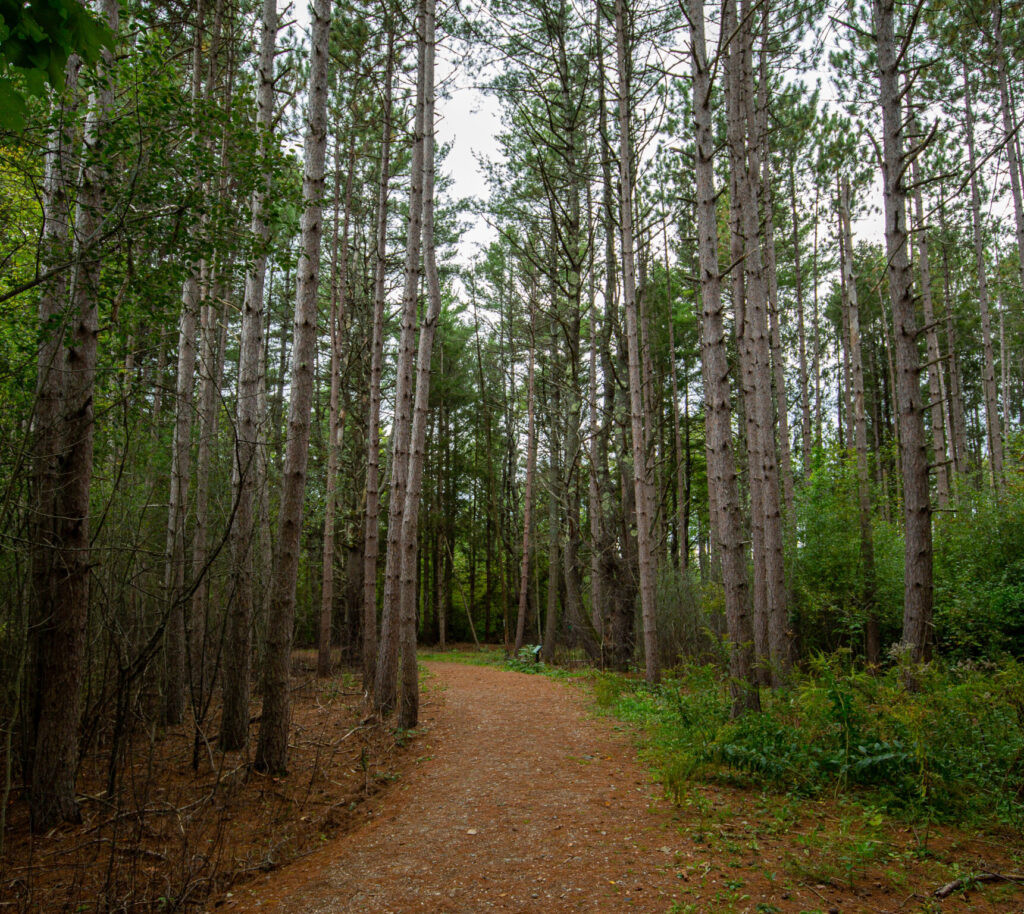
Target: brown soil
<point>520,800</point>
<point>172,835</point>
<point>513,796</point>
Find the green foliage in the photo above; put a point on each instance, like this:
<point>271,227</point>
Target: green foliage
<point>36,40</point>
<point>979,573</point>
<point>527,660</point>
<point>828,566</point>
<point>950,751</point>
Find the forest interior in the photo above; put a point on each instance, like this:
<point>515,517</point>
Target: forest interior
<point>708,407</point>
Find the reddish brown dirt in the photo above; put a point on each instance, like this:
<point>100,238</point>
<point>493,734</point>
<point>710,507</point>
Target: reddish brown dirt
<point>172,835</point>
<point>520,801</point>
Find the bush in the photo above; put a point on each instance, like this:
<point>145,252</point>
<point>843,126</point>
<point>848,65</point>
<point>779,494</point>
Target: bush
<point>979,573</point>
<point>827,570</point>
<point>954,750</point>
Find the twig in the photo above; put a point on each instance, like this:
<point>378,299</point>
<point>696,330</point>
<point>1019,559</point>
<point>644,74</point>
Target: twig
<point>965,882</point>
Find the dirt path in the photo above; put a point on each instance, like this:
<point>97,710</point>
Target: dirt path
<point>521,802</point>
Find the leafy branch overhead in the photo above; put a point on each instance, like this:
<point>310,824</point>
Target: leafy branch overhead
<point>36,40</point>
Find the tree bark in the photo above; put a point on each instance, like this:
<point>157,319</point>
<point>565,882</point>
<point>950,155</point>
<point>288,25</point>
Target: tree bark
<point>917,606</point>
<point>638,419</point>
<point>385,683</point>
<point>234,732</point>
<point>61,640</point>
<point>757,369</point>
<point>54,317</point>
<point>936,395</point>
<point>1010,135</point>
<point>531,462</point>
<point>872,636</point>
<point>372,531</point>
<point>336,419</point>
<point>995,438</point>
<point>805,398</point>
<point>181,459</point>
<point>272,746</point>
<point>726,523</point>
<point>408,715</point>
<point>958,422</point>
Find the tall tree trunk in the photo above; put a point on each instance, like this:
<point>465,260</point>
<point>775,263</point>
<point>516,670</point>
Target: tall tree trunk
<point>958,423</point>
<point>53,317</point>
<point>682,502</point>
<point>798,280</point>
<point>372,532</point>
<point>917,605</point>
<point>336,422</point>
<point>385,682</point>
<point>747,356</point>
<point>757,372</point>
<point>554,566</point>
<point>531,462</point>
<point>408,715</point>
<point>211,363</point>
<point>234,731</point>
<point>1010,134</point>
<point>988,374</point>
<point>815,328</point>
<point>638,420</point>
<point>936,395</point>
<point>181,455</point>
<point>726,523</point>
<point>778,361</point>
<point>872,635</point>
<point>61,640</point>
<point>844,385</point>
<point>272,746</point>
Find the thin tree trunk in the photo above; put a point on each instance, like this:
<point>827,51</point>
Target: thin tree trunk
<point>805,399</point>
<point>641,468</point>
<point>778,361</point>
<point>958,423</point>
<point>682,502</point>
<point>385,684</point>
<point>531,462</point>
<point>336,420</point>
<point>995,438</point>
<point>408,715</point>
<point>917,607</point>
<point>234,732</point>
<point>1011,136</point>
<point>935,391</point>
<point>815,328</point>
<point>372,531</point>
<point>872,635</point>
<point>844,385</point>
<point>725,521</point>
<point>272,746</point>
<point>62,639</point>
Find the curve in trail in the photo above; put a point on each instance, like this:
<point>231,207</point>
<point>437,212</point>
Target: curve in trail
<point>522,803</point>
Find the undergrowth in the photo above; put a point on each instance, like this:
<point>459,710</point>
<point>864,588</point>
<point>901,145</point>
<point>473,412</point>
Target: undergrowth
<point>952,751</point>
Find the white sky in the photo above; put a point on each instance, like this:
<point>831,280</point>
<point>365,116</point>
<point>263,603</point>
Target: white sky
<point>470,120</point>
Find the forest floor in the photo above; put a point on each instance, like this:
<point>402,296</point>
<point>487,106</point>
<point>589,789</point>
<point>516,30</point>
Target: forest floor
<point>517,797</point>
<point>515,794</point>
<point>187,822</point>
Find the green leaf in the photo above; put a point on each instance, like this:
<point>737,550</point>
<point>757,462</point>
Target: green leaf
<point>13,109</point>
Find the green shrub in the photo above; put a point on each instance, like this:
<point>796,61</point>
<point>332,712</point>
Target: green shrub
<point>979,573</point>
<point>953,750</point>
